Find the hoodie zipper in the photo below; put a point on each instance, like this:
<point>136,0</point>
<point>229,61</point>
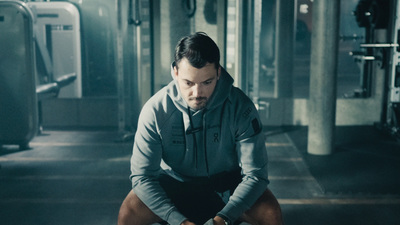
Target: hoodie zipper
<point>205,141</point>
<point>193,132</point>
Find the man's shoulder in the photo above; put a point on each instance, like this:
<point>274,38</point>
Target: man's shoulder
<point>160,106</point>
<point>244,107</point>
<point>237,96</point>
<point>160,99</point>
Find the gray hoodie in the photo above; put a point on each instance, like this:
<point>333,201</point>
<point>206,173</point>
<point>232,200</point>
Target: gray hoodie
<point>224,136</point>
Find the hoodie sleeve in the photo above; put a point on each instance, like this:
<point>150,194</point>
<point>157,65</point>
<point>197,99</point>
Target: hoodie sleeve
<point>253,159</point>
<point>145,169</point>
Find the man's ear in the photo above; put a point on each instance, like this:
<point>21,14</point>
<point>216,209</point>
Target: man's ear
<point>219,73</point>
<point>176,71</point>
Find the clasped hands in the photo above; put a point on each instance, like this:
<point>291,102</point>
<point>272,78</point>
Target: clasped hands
<point>215,221</point>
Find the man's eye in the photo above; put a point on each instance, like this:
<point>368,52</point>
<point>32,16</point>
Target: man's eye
<point>208,82</point>
<point>188,83</point>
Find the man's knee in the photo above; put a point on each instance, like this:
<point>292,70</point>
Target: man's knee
<point>126,212</point>
<point>123,215</point>
<point>133,211</point>
<point>266,210</point>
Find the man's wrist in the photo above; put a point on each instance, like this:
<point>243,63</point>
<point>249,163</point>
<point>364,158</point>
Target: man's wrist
<point>223,218</point>
<point>187,222</point>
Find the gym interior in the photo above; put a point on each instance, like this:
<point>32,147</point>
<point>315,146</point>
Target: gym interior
<point>324,76</point>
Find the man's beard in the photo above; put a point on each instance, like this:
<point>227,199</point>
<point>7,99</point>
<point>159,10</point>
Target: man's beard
<point>198,103</point>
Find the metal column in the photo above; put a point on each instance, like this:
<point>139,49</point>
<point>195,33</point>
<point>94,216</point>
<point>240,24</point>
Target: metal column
<point>257,15</point>
<point>323,68</point>
<point>251,42</point>
<point>284,45</point>
<point>134,68</point>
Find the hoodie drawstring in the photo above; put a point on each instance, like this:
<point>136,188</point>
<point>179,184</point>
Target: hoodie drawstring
<point>193,131</point>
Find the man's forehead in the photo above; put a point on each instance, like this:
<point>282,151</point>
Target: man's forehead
<point>186,63</point>
<point>198,80</point>
<point>197,77</point>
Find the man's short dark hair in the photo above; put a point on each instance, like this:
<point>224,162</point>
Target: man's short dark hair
<point>199,49</point>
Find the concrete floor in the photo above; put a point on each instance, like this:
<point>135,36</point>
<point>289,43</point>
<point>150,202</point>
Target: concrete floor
<point>81,177</point>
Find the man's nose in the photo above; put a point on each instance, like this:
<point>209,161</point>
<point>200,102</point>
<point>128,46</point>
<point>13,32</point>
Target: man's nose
<point>197,90</point>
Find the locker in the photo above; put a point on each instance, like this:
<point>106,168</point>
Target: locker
<point>18,103</point>
<point>58,28</point>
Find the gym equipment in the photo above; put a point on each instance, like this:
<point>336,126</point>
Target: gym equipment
<point>58,38</point>
<point>374,14</point>
<point>22,89</point>
<point>18,102</point>
<point>371,15</point>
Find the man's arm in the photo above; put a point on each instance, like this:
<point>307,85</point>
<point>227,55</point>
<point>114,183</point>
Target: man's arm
<point>145,169</point>
<point>253,159</point>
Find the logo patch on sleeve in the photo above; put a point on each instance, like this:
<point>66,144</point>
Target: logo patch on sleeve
<point>247,112</point>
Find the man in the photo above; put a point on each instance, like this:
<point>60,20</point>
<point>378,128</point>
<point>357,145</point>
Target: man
<point>198,137</point>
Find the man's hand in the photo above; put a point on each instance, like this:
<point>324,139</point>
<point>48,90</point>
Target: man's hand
<point>187,222</point>
<point>218,221</point>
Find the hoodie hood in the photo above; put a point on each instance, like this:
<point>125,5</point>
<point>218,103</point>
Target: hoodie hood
<point>220,94</point>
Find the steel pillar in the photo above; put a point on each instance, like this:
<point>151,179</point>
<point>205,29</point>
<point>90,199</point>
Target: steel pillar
<point>323,69</point>
<point>284,47</point>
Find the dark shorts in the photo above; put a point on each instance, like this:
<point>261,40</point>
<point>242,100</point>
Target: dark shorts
<point>200,199</point>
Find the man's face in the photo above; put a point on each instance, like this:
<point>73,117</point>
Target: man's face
<point>196,85</point>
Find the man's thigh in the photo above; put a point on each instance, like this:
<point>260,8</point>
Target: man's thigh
<point>198,205</point>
